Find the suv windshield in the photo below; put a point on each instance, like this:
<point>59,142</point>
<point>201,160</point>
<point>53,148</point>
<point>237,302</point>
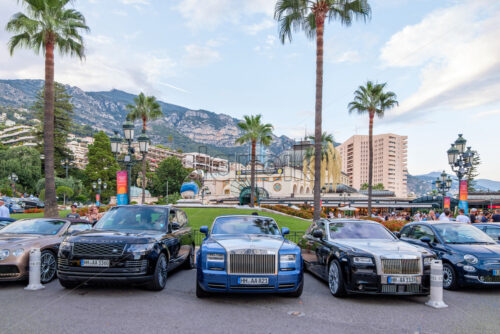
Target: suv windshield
<point>133,218</point>
<point>462,234</point>
<point>34,226</point>
<point>245,225</point>
<point>358,230</point>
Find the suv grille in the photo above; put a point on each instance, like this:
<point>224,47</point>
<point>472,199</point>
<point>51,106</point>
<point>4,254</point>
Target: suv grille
<point>99,249</point>
<point>401,266</point>
<point>252,263</point>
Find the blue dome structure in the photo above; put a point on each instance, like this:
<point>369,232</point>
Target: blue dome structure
<point>189,189</point>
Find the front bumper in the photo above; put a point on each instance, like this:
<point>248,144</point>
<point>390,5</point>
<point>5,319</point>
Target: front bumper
<point>14,268</point>
<point>483,275</point>
<point>372,283</point>
<point>221,281</point>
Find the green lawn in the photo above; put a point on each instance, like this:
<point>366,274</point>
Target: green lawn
<point>62,214</point>
<point>205,216</point>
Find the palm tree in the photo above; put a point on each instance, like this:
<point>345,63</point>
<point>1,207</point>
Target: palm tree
<point>47,25</point>
<point>310,16</point>
<point>253,132</point>
<point>373,100</point>
<point>145,108</point>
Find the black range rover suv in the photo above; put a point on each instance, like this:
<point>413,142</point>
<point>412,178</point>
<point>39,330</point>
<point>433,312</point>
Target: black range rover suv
<point>133,244</point>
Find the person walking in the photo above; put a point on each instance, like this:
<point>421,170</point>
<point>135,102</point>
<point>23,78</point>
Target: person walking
<point>445,216</point>
<point>496,216</point>
<point>462,218</point>
<point>4,211</point>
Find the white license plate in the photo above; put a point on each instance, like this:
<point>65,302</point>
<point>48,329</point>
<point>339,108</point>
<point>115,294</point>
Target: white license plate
<point>95,263</point>
<point>496,272</point>
<point>402,280</point>
<point>253,280</point>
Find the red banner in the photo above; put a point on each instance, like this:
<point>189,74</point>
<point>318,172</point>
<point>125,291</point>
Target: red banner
<point>121,182</point>
<point>447,202</point>
<point>463,190</point>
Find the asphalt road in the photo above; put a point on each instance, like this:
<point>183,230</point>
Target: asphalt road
<point>122,309</point>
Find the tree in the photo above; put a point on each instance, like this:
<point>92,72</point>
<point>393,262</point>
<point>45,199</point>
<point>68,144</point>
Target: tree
<point>66,192</point>
<point>373,100</point>
<point>24,162</point>
<point>473,172</point>
<point>254,132</point>
<point>102,165</point>
<point>63,123</point>
<point>46,25</point>
<point>145,108</point>
<point>170,170</point>
<point>378,186</point>
<point>310,16</point>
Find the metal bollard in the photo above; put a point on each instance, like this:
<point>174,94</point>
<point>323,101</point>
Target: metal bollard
<point>34,273</point>
<point>436,298</point>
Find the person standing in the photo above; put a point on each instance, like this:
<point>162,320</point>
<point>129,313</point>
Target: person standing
<point>486,218</point>
<point>73,214</point>
<point>473,217</point>
<point>445,216</point>
<point>462,218</point>
<point>4,211</point>
<point>432,216</point>
<point>496,216</point>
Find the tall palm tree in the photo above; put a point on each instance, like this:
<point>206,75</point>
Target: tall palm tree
<point>254,132</point>
<point>310,16</point>
<point>47,25</point>
<point>372,99</point>
<point>146,108</point>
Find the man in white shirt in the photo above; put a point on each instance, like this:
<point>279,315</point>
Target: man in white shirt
<point>462,218</point>
<point>4,211</point>
<point>445,216</point>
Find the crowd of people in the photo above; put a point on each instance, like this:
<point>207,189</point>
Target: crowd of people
<point>475,216</point>
<point>92,215</point>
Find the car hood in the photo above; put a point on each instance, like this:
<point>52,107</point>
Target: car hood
<point>246,241</point>
<point>385,248</point>
<point>14,240</point>
<point>486,251</point>
<point>103,236</point>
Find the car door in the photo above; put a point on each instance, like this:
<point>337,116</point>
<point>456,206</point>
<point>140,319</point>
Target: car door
<point>173,241</point>
<point>315,245</point>
<point>493,232</point>
<point>183,233</point>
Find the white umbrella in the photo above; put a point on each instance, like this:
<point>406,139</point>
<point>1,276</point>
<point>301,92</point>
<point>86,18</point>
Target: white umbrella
<point>347,208</point>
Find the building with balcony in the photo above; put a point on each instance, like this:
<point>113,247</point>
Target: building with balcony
<point>21,135</point>
<point>389,161</point>
<point>79,149</point>
<point>205,162</point>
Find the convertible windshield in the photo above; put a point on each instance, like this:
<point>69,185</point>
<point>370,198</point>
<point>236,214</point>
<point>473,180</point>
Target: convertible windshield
<point>245,225</point>
<point>34,226</point>
<point>133,218</point>
<point>360,230</point>
<point>462,234</point>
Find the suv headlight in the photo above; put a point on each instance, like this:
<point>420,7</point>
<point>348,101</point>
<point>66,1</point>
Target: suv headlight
<point>4,253</point>
<point>18,252</point>
<point>215,257</point>
<point>471,259</point>
<point>140,248</point>
<point>362,260</point>
<point>65,246</point>
<point>287,258</point>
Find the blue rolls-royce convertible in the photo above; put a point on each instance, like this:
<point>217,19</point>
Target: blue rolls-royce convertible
<point>248,254</point>
<point>470,256</point>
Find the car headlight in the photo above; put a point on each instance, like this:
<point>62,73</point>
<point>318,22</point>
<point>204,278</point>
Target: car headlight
<point>65,246</point>
<point>140,248</point>
<point>4,253</point>
<point>428,261</point>
<point>18,252</point>
<point>215,257</point>
<point>362,260</point>
<point>471,259</point>
<point>287,258</point>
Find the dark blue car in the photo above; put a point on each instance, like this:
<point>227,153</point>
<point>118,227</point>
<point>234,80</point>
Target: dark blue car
<point>470,256</point>
<point>491,229</point>
<point>248,254</point>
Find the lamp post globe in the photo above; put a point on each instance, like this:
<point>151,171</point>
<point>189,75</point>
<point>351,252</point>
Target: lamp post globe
<point>128,130</point>
<point>460,144</point>
<point>452,155</point>
<point>94,185</point>
<point>143,140</point>
<point>116,144</point>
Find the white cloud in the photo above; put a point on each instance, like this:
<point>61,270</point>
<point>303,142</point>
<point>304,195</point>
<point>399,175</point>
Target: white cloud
<point>200,55</point>
<point>458,53</point>
<point>260,26</point>
<point>135,2</point>
<point>347,57</point>
<point>488,113</point>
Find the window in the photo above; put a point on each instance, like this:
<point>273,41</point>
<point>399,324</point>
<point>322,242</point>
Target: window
<point>78,227</point>
<point>181,218</point>
<point>493,232</point>
<point>421,231</point>
<point>405,232</point>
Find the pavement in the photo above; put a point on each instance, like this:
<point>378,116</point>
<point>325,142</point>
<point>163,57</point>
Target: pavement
<point>126,309</point>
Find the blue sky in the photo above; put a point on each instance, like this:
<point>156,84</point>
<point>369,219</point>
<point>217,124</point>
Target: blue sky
<point>442,59</point>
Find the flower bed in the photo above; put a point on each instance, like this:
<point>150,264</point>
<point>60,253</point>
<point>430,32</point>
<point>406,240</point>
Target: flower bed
<point>33,210</point>
<point>304,212</point>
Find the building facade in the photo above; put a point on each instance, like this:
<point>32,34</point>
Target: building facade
<point>389,161</point>
<point>21,135</point>
<point>79,149</point>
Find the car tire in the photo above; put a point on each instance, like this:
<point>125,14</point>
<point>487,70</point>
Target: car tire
<point>200,293</point>
<point>160,274</point>
<point>450,279</point>
<point>48,266</point>
<point>189,262</point>
<point>297,293</point>
<point>336,279</point>
<point>68,284</point>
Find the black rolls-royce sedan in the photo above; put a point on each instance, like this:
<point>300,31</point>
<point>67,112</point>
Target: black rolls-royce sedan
<point>133,244</point>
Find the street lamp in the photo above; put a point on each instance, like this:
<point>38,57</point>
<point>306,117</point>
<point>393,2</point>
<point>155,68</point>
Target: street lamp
<point>100,185</point>
<point>13,178</point>
<point>66,164</point>
<point>460,159</point>
<point>443,184</point>
<point>204,191</point>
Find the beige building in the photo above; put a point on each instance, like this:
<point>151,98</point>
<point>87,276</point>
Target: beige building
<point>79,149</point>
<point>205,162</point>
<point>389,161</point>
<point>21,135</point>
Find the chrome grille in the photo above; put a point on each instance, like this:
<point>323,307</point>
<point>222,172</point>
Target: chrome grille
<point>401,266</point>
<point>98,249</point>
<point>491,279</point>
<point>252,263</point>
<point>141,264</point>
<point>410,288</point>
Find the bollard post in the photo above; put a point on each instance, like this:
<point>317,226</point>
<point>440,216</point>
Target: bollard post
<point>436,297</point>
<point>34,273</point>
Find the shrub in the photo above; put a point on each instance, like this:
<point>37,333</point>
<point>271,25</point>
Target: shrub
<point>394,225</point>
<point>33,210</point>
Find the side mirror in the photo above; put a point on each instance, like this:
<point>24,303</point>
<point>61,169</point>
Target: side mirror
<point>318,234</point>
<point>397,234</point>
<point>426,240</point>
<point>285,230</point>
<point>204,230</point>
<point>175,226</point>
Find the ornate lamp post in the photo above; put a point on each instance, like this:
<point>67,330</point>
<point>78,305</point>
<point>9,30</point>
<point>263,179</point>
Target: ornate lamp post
<point>100,185</point>
<point>443,184</point>
<point>13,179</point>
<point>66,164</point>
<point>129,159</point>
<point>460,159</point>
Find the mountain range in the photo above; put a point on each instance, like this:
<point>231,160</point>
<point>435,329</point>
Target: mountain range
<point>423,184</point>
<point>191,130</point>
